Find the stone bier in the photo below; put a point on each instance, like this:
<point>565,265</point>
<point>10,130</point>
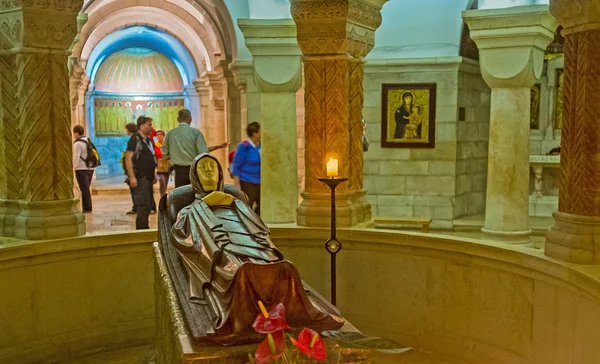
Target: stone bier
<point>223,263</point>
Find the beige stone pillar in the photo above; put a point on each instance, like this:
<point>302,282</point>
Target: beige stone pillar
<point>77,73</point>
<point>36,168</point>
<point>241,84</point>
<point>278,76</point>
<point>217,125</point>
<point>243,75</point>
<point>334,37</point>
<point>511,45</point>
<point>204,94</point>
<point>575,237</point>
<point>233,107</point>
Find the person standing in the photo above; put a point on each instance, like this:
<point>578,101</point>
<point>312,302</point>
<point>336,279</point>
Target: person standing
<point>163,164</point>
<point>141,169</point>
<point>246,166</point>
<point>182,144</point>
<point>131,129</point>
<point>83,173</point>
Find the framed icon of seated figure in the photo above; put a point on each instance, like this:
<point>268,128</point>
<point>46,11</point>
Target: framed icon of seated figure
<point>408,116</point>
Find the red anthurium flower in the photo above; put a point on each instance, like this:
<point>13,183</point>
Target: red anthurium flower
<point>271,348</point>
<point>270,322</point>
<point>309,342</point>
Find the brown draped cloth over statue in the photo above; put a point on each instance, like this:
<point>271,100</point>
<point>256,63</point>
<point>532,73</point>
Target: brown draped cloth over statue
<point>230,264</point>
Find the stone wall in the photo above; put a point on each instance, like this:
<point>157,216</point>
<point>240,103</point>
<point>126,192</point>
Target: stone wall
<point>64,298</point>
<point>472,135</point>
<point>459,299</point>
<point>426,182</point>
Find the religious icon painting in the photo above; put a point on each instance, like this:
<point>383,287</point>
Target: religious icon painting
<point>408,115</point>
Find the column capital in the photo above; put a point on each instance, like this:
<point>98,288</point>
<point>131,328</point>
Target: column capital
<point>511,43</point>
<point>200,86</point>
<point>242,71</point>
<point>215,82</point>
<point>272,43</point>
<point>337,26</point>
<point>576,15</point>
<point>31,24</point>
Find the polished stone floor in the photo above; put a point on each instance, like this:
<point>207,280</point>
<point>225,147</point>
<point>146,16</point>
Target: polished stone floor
<point>110,211</point>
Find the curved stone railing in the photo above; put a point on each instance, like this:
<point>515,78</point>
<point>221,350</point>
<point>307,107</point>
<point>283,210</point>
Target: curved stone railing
<point>457,298</point>
<point>60,299</point>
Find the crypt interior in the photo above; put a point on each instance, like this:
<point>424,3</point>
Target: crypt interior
<point>470,226</point>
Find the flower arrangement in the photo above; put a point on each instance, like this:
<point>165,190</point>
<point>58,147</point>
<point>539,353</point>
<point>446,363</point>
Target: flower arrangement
<point>308,346</point>
<point>274,347</point>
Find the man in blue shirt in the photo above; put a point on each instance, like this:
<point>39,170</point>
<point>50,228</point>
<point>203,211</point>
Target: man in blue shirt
<point>246,166</point>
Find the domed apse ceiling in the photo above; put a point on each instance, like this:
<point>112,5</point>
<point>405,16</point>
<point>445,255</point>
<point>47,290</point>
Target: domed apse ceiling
<point>138,71</point>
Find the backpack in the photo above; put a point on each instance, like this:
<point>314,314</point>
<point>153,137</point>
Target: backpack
<point>93,158</point>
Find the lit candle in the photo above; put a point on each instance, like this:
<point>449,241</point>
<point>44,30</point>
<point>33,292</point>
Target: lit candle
<point>332,167</point>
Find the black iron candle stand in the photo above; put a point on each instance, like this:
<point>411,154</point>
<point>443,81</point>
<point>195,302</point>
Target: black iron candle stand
<point>333,245</point>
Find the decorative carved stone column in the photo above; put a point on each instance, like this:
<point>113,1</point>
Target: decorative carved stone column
<point>575,237</point>
<point>278,76</point>
<point>334,36</point>
<point>36,147</point>
<point>511,46</point>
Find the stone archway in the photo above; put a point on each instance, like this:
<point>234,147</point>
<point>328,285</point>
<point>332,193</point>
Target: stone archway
<point>204,28</point>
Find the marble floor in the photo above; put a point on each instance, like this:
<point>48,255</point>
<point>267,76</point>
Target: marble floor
<point>110,212</point>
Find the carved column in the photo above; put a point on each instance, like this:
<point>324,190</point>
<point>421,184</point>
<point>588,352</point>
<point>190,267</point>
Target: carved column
<point>278,76</point>
<point>511,46</point>
<point>575,237</point>
<point>240,83</point>
<point>334,36</point>
<point>243,75</point>
<point>217,126</point>
<point>232,106</point>
<point>204,95</point>
<point>81,91</point>
<point>77,73</point>
<point>193,104</point>
<point>36,148</point>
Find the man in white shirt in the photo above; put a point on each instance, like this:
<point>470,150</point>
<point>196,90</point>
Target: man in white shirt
<point>182,145</point>
<point>83,173</point>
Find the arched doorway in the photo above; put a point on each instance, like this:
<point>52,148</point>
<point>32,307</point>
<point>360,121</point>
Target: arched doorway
<point>130,83</point>
<point>197,37</point>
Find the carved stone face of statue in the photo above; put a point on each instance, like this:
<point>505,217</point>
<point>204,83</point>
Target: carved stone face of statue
<point>208,173</point>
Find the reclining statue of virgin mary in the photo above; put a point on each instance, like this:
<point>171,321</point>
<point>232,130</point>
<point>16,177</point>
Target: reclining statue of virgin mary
<point>222,263</point>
